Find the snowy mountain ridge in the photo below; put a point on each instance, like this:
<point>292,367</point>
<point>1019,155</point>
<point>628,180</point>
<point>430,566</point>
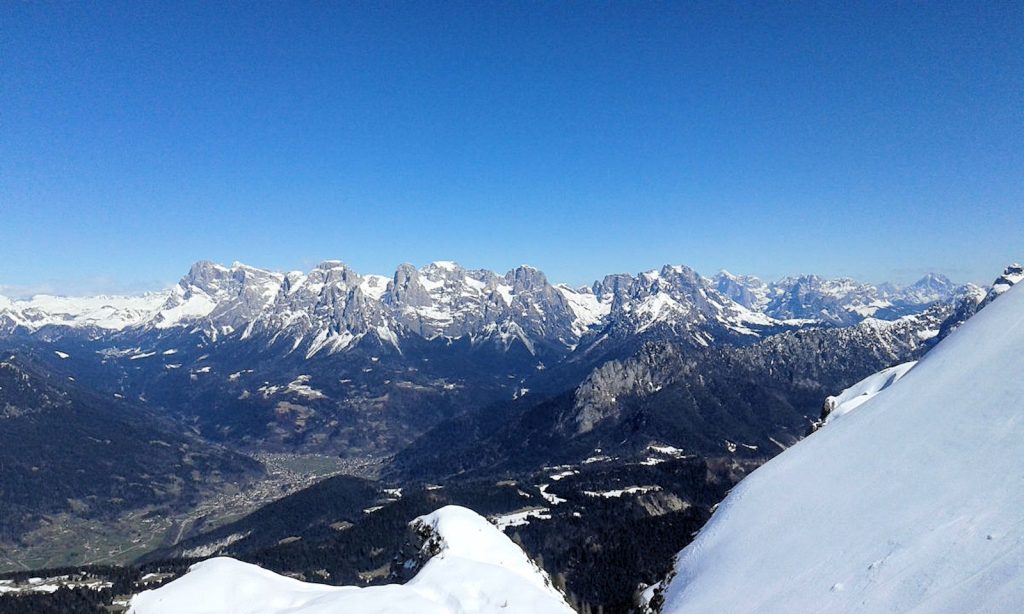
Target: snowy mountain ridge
<point>471,566</point>
<point>332,308</point>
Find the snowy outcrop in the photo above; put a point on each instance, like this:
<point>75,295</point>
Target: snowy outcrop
<point>863,391</point>
<point>910,503</point>
<point>970,299</point>
<point>471,567</point>
<point>1011,276</point>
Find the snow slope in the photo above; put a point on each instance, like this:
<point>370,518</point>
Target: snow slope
<point>914,502</point>
<point>476,568</point>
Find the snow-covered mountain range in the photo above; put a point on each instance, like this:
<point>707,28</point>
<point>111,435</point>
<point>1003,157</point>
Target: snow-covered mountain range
<point>333,360</point>
<point>465,564</point>
<point>835,301</point>
<point>909,502</point>
<point>332,308</point>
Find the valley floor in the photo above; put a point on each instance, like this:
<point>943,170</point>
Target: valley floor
<point>66,540</point>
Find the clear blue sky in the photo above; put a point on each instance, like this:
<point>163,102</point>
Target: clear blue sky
<point>871,139</point>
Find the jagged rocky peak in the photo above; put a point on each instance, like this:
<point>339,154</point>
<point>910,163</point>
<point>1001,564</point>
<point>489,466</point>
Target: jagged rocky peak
<point>445,299</point>
<point>525,278</point>
<point>746,290</point>
<point>680,285</point>
<point>212,278</point>
<point>971,298</point>
<point>443,269</point>
<point>931,288</point>
<point>215,280</point>
<point>442,276</point>
<point>803,285</point>
<point>844,301</point>
<point>612,287</point>
<point>203,273</point>
<point>934,280</point>
<point>675,301</point>
<point>674,276</point>
<point>543,311</point>
<point>335,273</point>
<point>292,281</point>
<point>224,296</point>
<point>325,276</point>
<point>534,294</point>
<point>406,288</point>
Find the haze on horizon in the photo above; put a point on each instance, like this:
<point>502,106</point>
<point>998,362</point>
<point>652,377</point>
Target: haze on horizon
<point>877,142</point>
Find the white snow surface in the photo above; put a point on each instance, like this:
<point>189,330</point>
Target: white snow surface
<point>912,503</point>
<point>374,286</point>
<point>1013,275</point>
<point>856,395</point>
<point>477,569</point>
<point>615,494</point>
<point>588,308</point>
<point>521,518</point>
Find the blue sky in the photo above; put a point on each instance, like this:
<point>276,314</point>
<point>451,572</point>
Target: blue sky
<point>870,139</point>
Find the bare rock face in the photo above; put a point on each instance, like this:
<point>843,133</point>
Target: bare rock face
<point>598,397</point>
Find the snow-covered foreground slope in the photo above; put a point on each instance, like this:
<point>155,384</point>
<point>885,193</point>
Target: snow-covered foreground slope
<point>474,568</point>
<point>913,502</point>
